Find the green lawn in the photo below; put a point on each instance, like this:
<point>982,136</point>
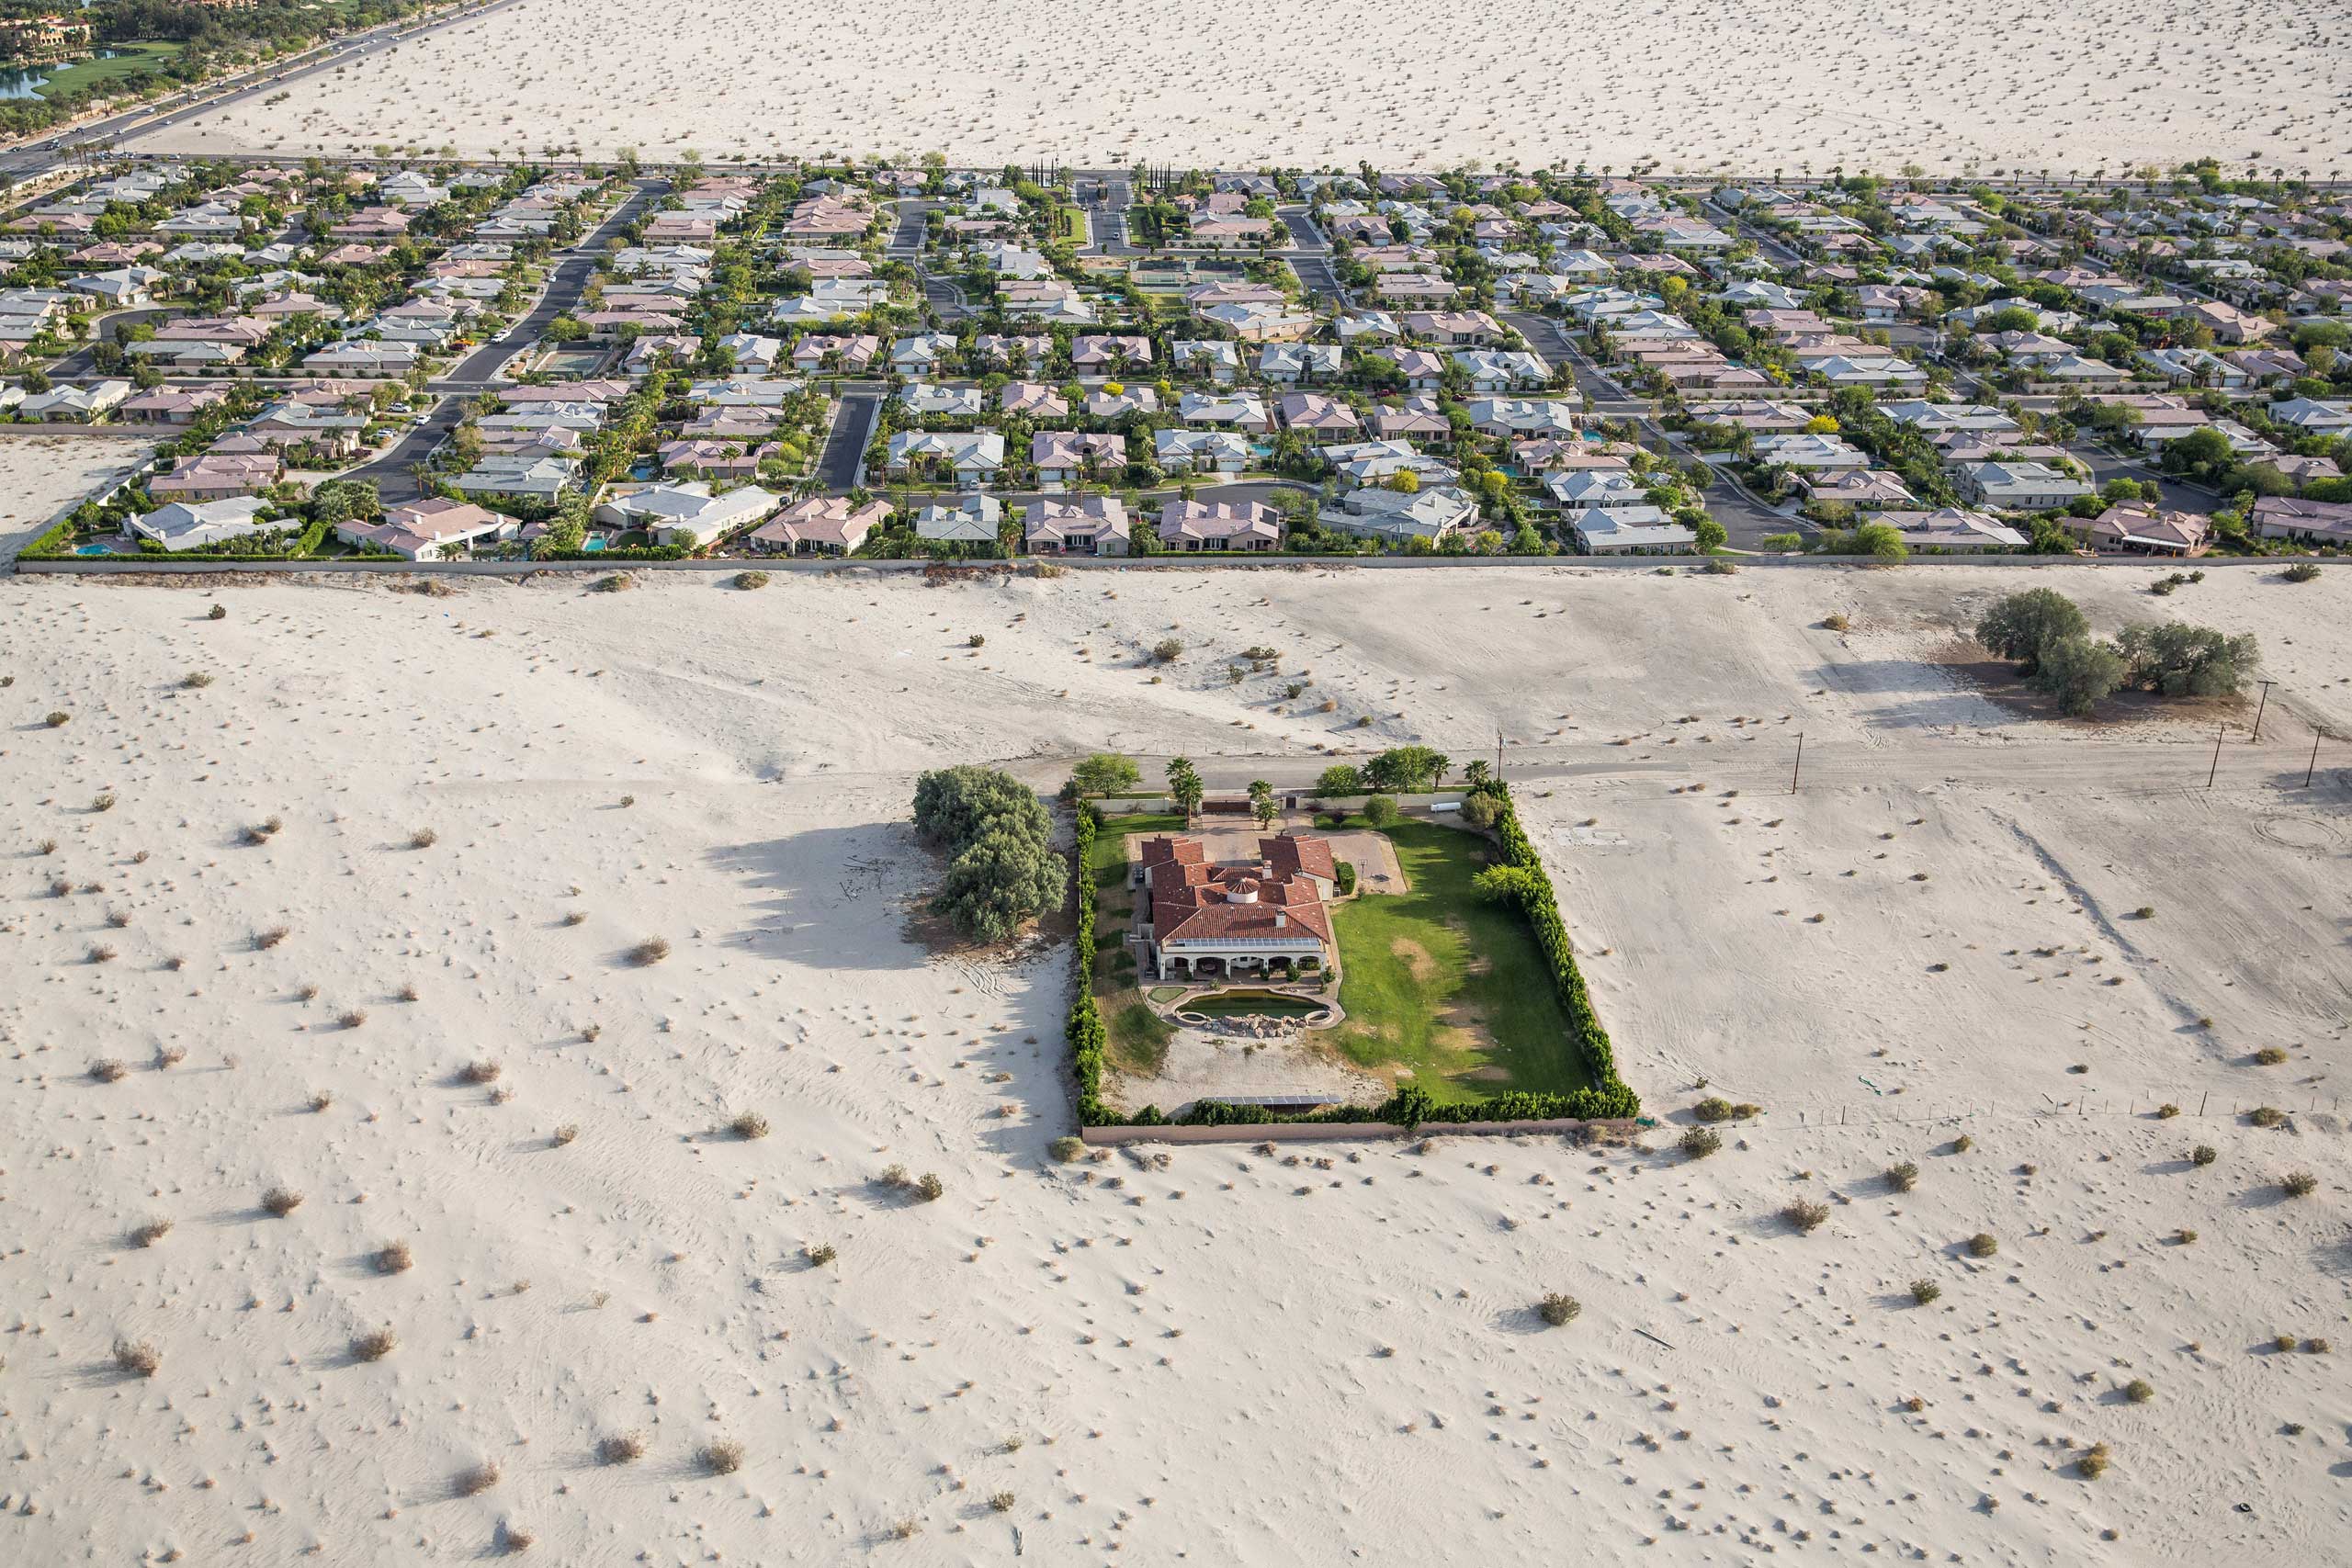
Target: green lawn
<point>1139,1037</point>
<point>1440,983</point>
<point>93,73</point>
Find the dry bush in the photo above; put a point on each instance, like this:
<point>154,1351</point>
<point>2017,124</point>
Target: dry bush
<point>99,952</point>
<point>1835,623</point>
<point>322,1100</point>
<point>374,1345</point>
<point>564,1134</point>
<point>1983,1244</point>
<point>281,1201</point>
<point>749,1125</point>
<point>138,1356</point>
<point>750,579</point>
<point>1904,1177</point>
<point>169,1056</point>
<point>408,993</point>
<point>108,1070</point>
<point>151,1232</point>
<point>1697,1143</point>
<point>2266,1116</point>
<point>1806,1215</point>
<point>58,719</point>
<point>1924,1292</point>
<point>102,803</point>
<point>576,917</point>
<point>480,1479</point>
<point>1557,1310</point>
<point>721,1456</point>
<point>653,949</point>
<point>516,1539</point>
<point>2166,1112</point>
<point>2271,1056</point>
<point>394,1258</point>
<point>481,1072</point>
<point>352,1017</point>
<point>822,1254</point>
<point>196,680</point>
<point>2203,1154</point>
<point>1066,1149</point>
<point>930,1188</point>
<point>1001,1502</point>
<point>2299,1184</point>
<point>1962,1143</point>
<point>2093,1463</point>
<point>2139,1391</point>
<point>893,1176</point>
<point>621,1448</point>
<point>118,919</point>
<point>424,839</point>
<point>266,939</point>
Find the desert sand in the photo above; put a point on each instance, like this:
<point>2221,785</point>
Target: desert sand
<point>355,922</point>
<point>1753,85</point>
<point>40,474</point>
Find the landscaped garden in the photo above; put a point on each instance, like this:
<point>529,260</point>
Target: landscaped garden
<point>1446,986</point>
<point>1137,1035</point>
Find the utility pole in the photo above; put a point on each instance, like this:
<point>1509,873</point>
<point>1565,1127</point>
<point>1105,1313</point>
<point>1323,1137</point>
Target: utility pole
<point>2260,708</point>
<point>1797,769</point>
<point>1498,753</point>
<point>2217,756</point>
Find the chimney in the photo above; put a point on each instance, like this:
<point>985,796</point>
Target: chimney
<point>1280,921</point>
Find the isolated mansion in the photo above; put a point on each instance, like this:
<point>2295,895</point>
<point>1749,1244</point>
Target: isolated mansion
<point>1265,918</point>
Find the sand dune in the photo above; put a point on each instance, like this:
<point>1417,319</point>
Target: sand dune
<point>1755,85</point>
<point>1229,1357</point>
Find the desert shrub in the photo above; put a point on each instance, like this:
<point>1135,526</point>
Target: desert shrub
<point>2144,912</point>
<point>102,803</point>
<point>2021,626</point>
<point>151,1232</point>
<point>1001,1502</point>
<point>2093,1463</point>
<point>481,1072</point>
<point>99,952</point>
<point>2266,1116</point>
<point>169,1056</point>
<point>196,680</point>
<point>374,1345</point>
<point>1557,1310</point>
<point>1924,1292</point>
<point>1962,1143</point>
<point>930,1188</point>
<point>2139,1391</point>
<point>997,836</point>
<point>2316,1347</point>
<point>749,1125</point>
<point>46,847</point>
<point>108,1070</point>
<point>751,580</point>
<point>217,612</point>
<point>1066,1149</point>
<point>2271,1056</point>
<point>1715,1108</point>
<point>822,1253</point>
<point>1806,1215</point>
<point>1837,622</point>
<point>2299,1184</point>
<point>1166,650</point>
<point>473,1482</point>
<point>2186,661</point>
<point>281,1201</point>
<point>1904,1177</point>
<point>266,939</point>
<point>721,1456</point>
<point>2301,571</point>
<point>517,1539</point>
<point>424,839</point>
<point>975,640</point>
<point>321,1100</point>
<point>394,1258</point>
<point>58,719</point>
<point>352,1017</point>
<point>140,1357</point>
<point>2167,1110</point>
<point>621,1448</point>
<point>1983,1244</point>
<point>653,949</point>
<point>564,1134</point>
<point>2185,1237</point>
<point>2203,1154</point>
<point>1697,1143</point>
<point>620,582</point>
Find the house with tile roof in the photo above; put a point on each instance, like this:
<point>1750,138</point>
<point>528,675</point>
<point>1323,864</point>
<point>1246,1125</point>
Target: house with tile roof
<point>1263,918</point>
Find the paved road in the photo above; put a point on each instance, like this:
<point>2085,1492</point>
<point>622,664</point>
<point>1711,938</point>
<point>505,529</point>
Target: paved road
<point>390,473</point>
<point>1111,217</point>
<point>567,281</point>
<point>1310,254</point>
<point>845,444</point>
<point>31,159</point>
<point>906,240</point>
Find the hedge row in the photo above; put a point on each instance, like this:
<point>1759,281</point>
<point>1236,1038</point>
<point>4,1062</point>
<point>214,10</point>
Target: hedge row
<point>1410,1106</point>
<point>1087,1036</point>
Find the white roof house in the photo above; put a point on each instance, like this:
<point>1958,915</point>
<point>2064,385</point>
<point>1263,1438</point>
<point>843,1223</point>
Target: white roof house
<point>189,526</point>
<point>664,511</point>
<point>968,519</point>
<point>1390,514</point>
<point>1630,530</point>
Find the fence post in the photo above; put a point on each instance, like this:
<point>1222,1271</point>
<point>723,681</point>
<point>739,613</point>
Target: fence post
<point>2202,1100</point>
